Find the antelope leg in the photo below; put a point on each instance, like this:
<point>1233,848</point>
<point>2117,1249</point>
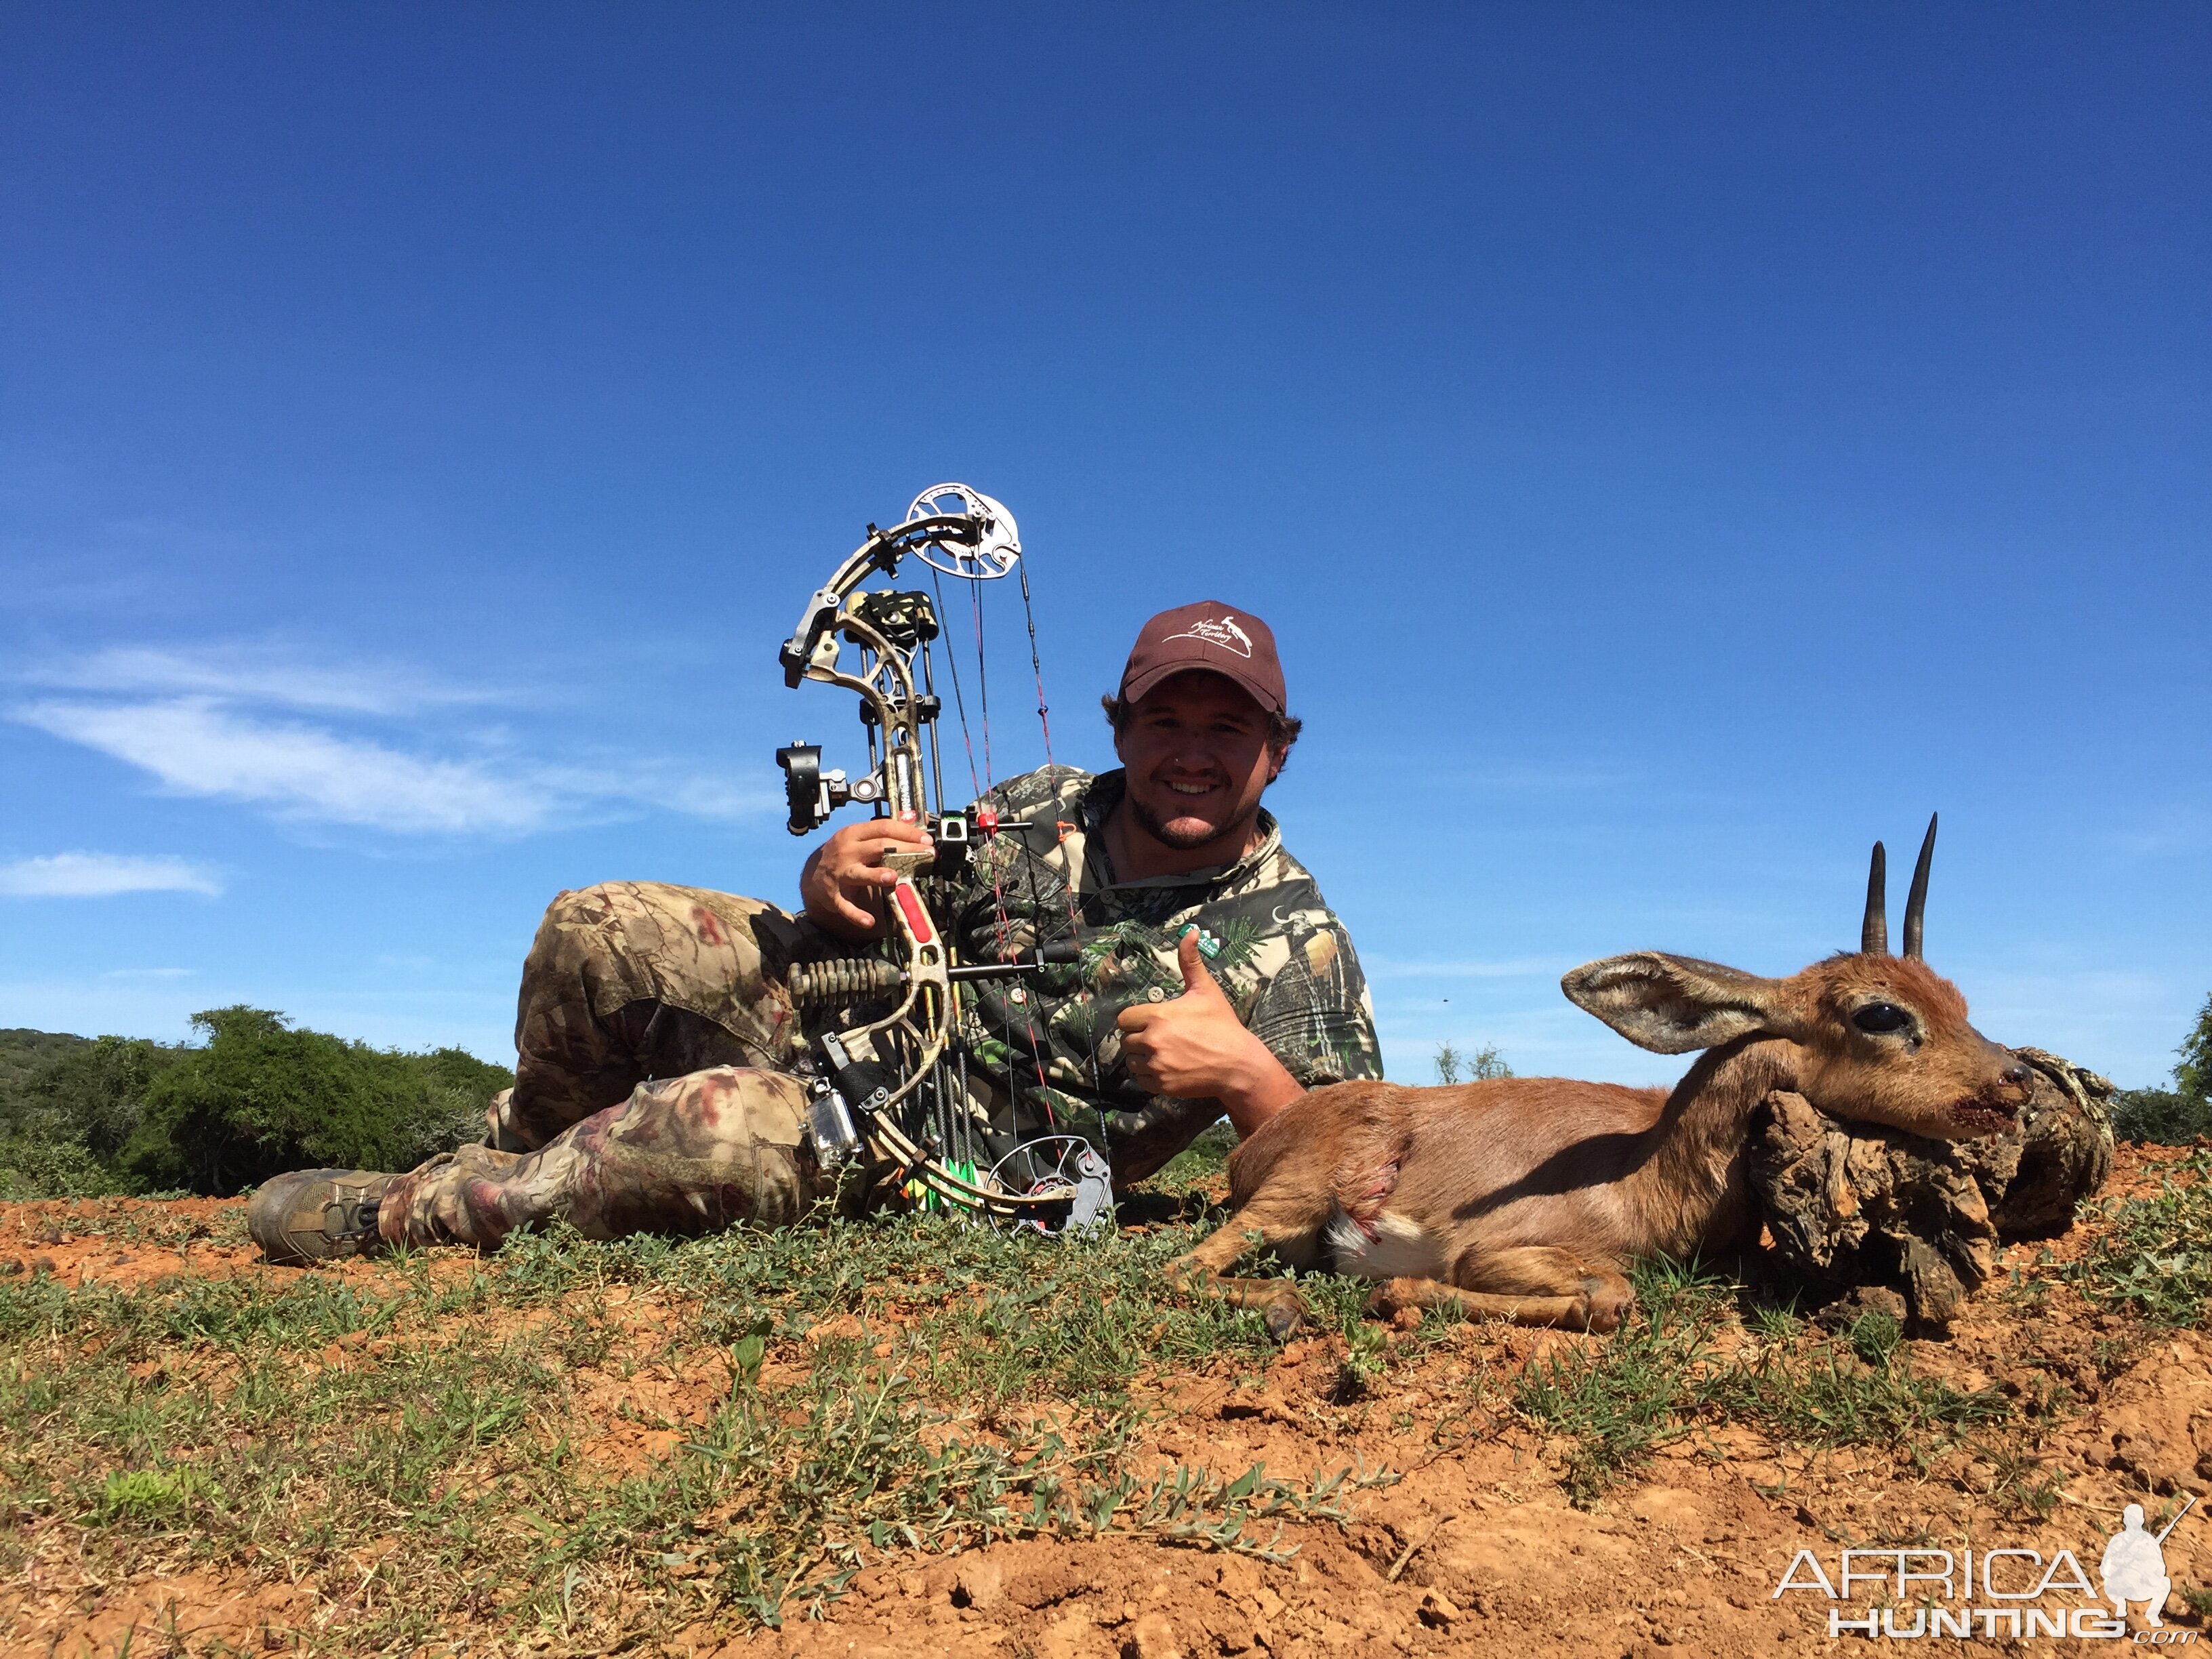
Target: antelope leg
<point>1206,1266</point>
<point>1572,1311</point>
<point>1530,1284</point>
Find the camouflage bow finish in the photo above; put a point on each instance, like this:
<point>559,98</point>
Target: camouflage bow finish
<point>878,1066</point>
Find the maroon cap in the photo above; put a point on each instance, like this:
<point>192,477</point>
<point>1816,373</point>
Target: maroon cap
<point>1217,637</point>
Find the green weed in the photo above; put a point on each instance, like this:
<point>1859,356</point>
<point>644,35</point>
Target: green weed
<point>1662,1374</point>
<point>145,1494</point>
<point>2154,1256</point>
<point>2019,1483</point>
<point>1873,1337</point>
<point>1620,1398</point>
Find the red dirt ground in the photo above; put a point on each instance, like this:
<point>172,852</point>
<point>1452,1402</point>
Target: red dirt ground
<point>1475,1551</point>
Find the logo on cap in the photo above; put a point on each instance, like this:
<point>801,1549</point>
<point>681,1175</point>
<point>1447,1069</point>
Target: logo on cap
<point>1225,633</point>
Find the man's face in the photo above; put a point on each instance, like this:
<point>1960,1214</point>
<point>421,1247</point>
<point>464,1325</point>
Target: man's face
<point>1197,755</point>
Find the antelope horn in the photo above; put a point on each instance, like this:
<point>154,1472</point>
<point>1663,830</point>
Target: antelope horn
<point>1874,931</point>
<point>1916,902</point>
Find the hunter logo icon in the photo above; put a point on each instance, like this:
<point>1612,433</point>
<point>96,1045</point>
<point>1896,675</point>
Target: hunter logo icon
<point>2133,1567</point>
<point>1224,633</point>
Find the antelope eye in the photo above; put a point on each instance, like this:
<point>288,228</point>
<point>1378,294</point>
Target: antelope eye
<point>1880,1017</point>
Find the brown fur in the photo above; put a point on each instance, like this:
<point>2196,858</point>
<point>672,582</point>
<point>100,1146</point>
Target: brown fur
<point>1526,1197</point>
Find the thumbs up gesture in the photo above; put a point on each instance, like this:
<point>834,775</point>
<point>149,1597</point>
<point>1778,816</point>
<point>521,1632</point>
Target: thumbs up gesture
<point>1193,1048</point>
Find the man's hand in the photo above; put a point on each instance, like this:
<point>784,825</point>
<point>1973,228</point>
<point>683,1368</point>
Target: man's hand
<point>845,875</point>
<point>1195,1048</point>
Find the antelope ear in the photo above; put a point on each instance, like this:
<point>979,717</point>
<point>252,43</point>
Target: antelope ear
<point>1671,1005</point>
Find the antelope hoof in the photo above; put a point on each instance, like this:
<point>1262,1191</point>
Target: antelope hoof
<point>1608,1305</point>
<point>1283,1316</point>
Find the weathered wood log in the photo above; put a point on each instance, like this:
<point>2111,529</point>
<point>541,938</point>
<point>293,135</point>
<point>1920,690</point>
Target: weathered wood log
<point>1853,1208</point>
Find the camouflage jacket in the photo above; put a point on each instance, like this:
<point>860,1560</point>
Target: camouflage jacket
<point>1048,1046</point>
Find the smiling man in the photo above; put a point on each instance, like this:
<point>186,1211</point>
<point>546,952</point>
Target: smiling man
<point>657,1042</point>
<point>1232,988</point>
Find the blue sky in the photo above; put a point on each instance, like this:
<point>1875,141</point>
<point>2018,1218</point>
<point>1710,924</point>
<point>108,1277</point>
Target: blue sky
<point>1673,446</point>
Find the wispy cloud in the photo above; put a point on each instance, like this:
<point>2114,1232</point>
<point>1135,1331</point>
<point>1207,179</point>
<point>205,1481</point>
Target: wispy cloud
<point>263,674</point>
<point>668,785</point>
<point>195,747</point>
<point>103,875</point>
<point>148,973</point>
<point>328,741</point>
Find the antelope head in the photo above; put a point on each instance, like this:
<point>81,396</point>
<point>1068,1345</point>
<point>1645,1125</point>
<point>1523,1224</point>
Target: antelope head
<point>1881,1038</point>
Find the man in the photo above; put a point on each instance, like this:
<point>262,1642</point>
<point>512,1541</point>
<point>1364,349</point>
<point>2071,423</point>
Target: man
<point>658,1042</point>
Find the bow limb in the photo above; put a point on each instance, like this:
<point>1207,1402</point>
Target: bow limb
<point>882,552</point>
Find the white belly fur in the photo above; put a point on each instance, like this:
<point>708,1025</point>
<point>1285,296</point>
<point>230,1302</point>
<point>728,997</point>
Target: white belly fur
<point>1400,1249</point>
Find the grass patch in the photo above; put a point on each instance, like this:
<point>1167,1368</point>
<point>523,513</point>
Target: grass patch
<point>1619,1398</point>
<point>434,1452</point>
<point>2153,1256</point>
<point>591,1446</point>
<point>1662,1374</point>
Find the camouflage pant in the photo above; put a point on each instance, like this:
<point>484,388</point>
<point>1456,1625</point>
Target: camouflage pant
<point>651,1089</point>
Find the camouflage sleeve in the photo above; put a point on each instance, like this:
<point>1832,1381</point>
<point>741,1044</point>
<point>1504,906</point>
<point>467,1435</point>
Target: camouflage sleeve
<point>1315,1014</point>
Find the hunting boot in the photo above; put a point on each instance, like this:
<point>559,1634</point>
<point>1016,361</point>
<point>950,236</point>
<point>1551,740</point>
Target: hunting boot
<point>316,1215</point>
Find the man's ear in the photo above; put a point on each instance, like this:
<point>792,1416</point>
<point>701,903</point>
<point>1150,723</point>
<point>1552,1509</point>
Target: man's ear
<point>1671,1005</point>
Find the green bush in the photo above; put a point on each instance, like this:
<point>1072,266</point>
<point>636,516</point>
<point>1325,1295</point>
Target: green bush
<point>90,1095</point>
<point>31,1168</point>
<point>2154,1256</point>
<point>23,1051</point>
<point>2175,1116</point>
<point>2193,1077</point>
<point>1483,1065</point>
<point>123,1114</point>
<point>2160,1115</point>
<point>261,1097</point>
<point>68,1107</point>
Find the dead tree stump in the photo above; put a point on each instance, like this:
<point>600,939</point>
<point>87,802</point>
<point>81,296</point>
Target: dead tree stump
<point>1882,1220</point>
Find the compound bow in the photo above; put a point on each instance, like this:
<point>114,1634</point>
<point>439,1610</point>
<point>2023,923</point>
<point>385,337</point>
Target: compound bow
<point>902,1075</point>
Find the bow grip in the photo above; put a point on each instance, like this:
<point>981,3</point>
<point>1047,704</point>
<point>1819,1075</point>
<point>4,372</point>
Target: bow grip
<point>918,927</point>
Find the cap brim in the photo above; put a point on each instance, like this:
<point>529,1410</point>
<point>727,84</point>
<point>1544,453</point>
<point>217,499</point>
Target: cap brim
<point>1136,689</point>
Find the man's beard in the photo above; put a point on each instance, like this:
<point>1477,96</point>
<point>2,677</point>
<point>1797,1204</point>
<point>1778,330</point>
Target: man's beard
<point>1182,840</point>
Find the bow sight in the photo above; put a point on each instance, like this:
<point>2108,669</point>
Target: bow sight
<point>903,1073</point>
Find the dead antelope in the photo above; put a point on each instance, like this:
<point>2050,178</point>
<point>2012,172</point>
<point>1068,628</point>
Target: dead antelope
<point>1523,1198</point>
